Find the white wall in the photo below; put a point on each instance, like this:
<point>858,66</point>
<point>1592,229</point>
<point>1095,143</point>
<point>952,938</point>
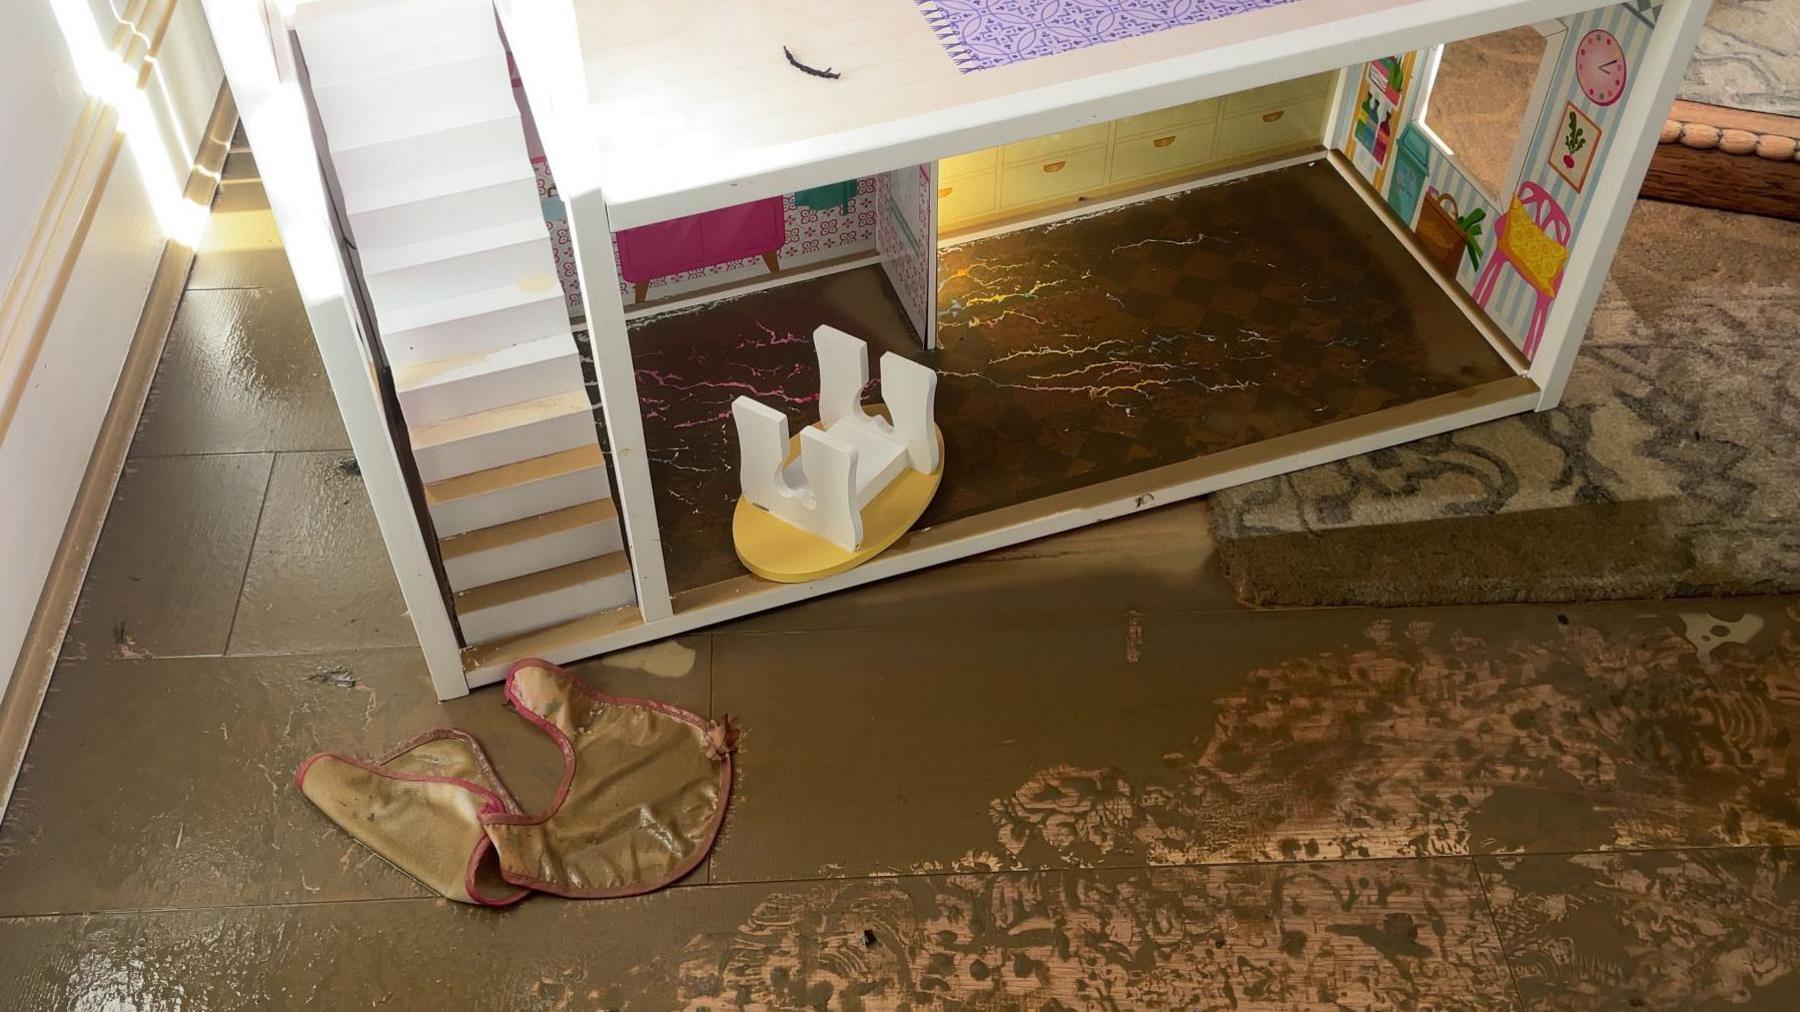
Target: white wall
<point>45,447</point>
<point>40,100</point>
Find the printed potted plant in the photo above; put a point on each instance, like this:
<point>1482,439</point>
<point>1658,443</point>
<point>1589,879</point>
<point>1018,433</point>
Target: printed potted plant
<point>1573,141</point>
<point>1469,225</point>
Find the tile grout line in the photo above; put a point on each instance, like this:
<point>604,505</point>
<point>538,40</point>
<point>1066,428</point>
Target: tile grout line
<point>1024,620</point>
<point>237,453</point>
<point>907,876</point>
<point>148,659</point>
<point>250,556</point>
<point>1472,859</point>
<point>1487,902</point>
<point>141,912</point>
<point>1206,865</point>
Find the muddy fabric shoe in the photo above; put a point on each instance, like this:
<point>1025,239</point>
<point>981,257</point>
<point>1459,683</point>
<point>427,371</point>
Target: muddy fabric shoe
<point>420,807</point>
<point>643,790</point>
<point>642,793</point>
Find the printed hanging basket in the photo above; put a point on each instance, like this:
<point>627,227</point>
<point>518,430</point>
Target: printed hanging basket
<point>1440,233</point>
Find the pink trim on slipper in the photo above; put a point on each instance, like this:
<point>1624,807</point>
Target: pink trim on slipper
<point>305,765</point>
<point>562,789</point>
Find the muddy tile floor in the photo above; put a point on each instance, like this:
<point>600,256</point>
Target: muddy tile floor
<point>1072,775</point>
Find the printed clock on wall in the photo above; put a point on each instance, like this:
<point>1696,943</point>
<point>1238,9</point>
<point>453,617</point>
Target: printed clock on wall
<point>1600,67</point>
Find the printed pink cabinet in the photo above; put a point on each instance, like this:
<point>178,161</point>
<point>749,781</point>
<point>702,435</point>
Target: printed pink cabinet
<point>702,240</point>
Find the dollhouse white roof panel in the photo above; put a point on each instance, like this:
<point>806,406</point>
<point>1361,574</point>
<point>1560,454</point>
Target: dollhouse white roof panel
<point>696,106</point>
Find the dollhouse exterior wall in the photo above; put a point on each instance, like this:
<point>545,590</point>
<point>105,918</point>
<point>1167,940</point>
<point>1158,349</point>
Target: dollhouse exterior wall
<point>1513,300</point>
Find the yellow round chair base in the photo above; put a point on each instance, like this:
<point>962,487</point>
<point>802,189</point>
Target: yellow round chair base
<point>776,550</point>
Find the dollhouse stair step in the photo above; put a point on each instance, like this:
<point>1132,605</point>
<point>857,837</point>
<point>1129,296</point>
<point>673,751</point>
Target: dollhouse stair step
<point>334,68</point>
<point>470,242</point>
<point>469,305</point>
<point>449,183</point>
<point>514,491</point>
<point>482,135</point>
<point>388,99</point>
<point>394,19</point>
<point>525,263</point>
<point>442,389</point>
<point>484,206</point>
<point>483,321</point>
<point>487,662</point>
<point>356,134</point>
<point>531,545</point>
<point>503,435</point>
<point>349,35</point>
<point>536,600</point>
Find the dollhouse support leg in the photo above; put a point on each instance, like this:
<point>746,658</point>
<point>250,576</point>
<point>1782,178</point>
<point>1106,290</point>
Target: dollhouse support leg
<point>598,268</point>
<point>1615,186</point>
<point>546,45</point>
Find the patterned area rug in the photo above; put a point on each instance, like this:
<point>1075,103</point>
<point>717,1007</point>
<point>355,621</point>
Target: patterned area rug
<point>1748,57</point>
<point>1669,469</point>
<point>979,34</point>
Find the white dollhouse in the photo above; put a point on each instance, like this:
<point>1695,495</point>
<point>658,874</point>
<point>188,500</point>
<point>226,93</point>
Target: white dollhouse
<point>490,257</point>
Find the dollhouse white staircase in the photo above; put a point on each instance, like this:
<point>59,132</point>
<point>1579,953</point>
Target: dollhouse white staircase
<point>427,143</point>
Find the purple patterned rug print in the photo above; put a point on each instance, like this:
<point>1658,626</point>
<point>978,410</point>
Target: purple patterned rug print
<point>979,34</point>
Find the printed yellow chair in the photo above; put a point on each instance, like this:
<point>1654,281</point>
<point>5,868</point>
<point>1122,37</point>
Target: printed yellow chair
<point>1532,238</point>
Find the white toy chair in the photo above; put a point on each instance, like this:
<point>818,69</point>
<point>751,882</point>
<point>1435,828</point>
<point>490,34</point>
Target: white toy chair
<point>850,456</point>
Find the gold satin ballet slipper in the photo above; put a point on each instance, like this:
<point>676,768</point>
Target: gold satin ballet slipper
<point>420,808</point>
<point>642,794</point>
